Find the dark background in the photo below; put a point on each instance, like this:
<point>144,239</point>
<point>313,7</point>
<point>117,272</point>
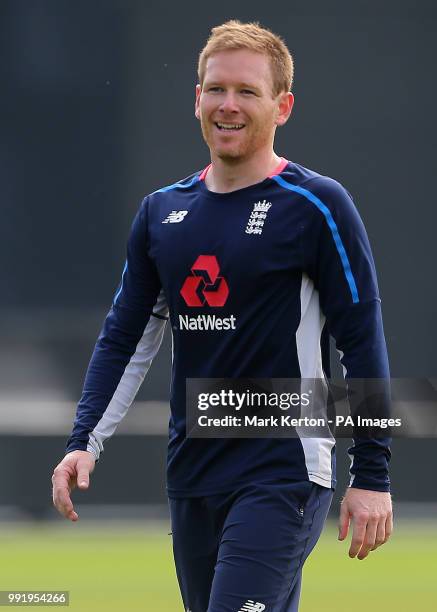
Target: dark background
<point>97,110</point>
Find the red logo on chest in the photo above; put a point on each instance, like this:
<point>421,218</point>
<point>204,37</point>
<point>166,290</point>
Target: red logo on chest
<point>205,286</point>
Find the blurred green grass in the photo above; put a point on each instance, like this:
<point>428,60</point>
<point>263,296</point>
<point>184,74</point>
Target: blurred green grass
<point>109,568</point>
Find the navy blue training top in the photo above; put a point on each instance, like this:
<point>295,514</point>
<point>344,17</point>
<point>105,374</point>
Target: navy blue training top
<point>250,280</point>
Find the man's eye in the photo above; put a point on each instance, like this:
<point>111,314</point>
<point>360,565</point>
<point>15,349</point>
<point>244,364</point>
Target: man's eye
<point>215,89</point>
<point>247,91</point>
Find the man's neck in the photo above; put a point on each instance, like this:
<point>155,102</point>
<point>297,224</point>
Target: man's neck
<point>223,176</point>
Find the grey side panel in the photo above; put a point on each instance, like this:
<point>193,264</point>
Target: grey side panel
<point>132,378</point>
<point>317,450</point>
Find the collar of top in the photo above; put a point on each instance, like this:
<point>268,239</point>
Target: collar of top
<point>279,168</point>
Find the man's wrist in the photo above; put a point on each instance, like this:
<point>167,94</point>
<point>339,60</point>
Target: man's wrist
<point>383,487</point>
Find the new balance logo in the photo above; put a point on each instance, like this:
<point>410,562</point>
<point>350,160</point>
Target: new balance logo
<point>176,216</point>
<point>252,606</point>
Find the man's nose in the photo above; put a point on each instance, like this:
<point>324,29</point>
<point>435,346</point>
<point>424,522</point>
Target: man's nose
<point>229,103</point>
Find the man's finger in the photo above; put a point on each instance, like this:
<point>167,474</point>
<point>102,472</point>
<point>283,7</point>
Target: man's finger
<point>380,533</point>
<point>358,535</point>
<point>369,538</point>
<point>63,503</point>
<point>388,526</point>
<point>63,481</point>
<point>343,526</point>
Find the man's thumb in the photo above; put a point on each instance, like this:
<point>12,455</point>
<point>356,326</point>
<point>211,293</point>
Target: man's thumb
<point>83,480</point>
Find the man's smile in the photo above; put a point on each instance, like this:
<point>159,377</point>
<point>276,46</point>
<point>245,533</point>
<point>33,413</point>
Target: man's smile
<point>229,127</point>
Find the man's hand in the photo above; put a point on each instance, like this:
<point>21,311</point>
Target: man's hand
<point>74,470</point>
<point>372,516</point>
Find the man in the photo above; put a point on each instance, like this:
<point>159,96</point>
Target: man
<point>277,253</point>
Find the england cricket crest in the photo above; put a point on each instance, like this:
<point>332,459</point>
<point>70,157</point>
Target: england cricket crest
<point>257,217</point>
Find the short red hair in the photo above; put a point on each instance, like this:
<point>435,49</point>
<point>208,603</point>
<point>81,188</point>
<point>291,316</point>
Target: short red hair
<point>234,35</point>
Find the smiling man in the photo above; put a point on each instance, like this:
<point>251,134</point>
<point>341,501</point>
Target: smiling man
<point>240,106</point>
<point>253,259</point>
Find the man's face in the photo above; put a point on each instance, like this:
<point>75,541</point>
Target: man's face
<point>236,107</point>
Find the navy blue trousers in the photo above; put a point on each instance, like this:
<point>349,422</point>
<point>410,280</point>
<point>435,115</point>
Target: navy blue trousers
<point>244,551</point>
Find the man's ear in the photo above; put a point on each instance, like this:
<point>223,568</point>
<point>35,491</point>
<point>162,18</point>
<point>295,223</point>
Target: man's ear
<point>196,104</point>
<point>285,106</point>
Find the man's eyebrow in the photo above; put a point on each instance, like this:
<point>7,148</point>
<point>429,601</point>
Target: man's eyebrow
<point>243,84</point>
<point>249,86</point>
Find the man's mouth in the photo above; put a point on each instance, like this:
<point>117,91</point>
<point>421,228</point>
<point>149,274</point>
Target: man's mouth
<point>229,127</point>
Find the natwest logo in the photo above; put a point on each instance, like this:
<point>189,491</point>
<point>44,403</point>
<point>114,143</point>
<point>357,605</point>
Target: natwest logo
<point>206,322</point>
<point>205,286</point>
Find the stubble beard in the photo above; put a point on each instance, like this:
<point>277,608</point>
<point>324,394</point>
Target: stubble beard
<point>238,153</point>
